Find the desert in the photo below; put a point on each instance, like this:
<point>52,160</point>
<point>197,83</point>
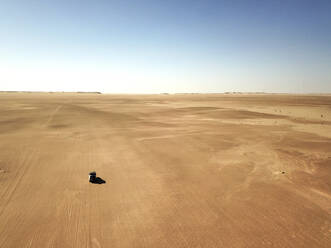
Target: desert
<point>181,170</point>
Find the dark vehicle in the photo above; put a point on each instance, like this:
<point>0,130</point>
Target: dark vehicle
<point>92,176</point>
<point>94,179</point>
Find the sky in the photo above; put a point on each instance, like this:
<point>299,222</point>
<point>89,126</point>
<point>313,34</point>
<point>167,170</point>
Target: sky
<point>145,46</point>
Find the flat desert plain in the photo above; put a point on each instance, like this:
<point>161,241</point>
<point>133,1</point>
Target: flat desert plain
<point>211,170</point>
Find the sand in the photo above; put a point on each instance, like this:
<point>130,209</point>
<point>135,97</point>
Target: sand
<point>181,170</point>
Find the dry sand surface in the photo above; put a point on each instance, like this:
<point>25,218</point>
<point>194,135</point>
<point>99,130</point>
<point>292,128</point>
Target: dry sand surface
<point>181,170</point>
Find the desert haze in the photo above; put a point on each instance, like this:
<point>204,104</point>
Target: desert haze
<point>213,170</point>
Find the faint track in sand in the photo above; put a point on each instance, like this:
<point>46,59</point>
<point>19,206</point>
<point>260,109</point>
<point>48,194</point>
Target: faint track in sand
<point>21,172</point>
<point>51,116</point>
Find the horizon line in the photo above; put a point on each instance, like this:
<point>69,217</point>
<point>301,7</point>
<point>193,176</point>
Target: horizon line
<point>165,93</point>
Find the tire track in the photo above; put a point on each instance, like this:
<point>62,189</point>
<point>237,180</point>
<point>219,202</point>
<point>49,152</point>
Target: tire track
<point>51,116</point>
<point>22,171</point>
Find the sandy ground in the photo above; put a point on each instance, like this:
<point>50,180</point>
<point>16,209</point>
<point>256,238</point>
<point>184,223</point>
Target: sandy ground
<point>181,170</point>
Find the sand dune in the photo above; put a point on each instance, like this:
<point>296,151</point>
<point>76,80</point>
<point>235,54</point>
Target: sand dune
<point>181,170</point>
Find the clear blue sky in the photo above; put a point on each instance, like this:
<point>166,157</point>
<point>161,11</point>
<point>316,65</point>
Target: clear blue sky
<point>166,46</point>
